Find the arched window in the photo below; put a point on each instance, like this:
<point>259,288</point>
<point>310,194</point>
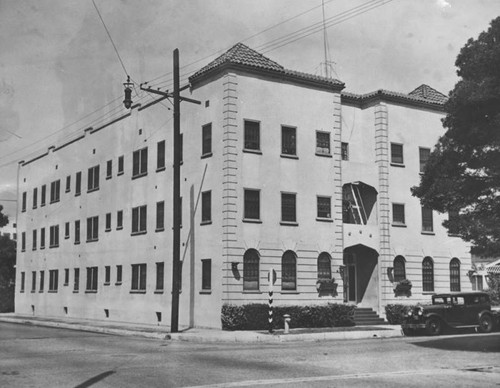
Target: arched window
<point>427,275</point>
<point>324,266</point>
<point>399,268</point>
<point>289,271</point>
<point>251,270</point>
<point>455,274</point>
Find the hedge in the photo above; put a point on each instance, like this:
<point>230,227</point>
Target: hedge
<point>395,313</point>
<point>255,316</point>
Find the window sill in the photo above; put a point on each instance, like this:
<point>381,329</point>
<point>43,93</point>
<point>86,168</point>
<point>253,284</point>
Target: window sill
<point>252,221</point>
<point>397,165</point>
<point>33,291</point>
<point>93,240</point>
<point>52,291</point>
<point>107,230</point>
<point>66,237</point>
<point>399,225</point>
<point>76,291</point>
<point>106,283</point>
<point>23,250</point>
<point>67,191</point>
<point>207,155</point>
<point>119,173</point>
<point>42,248</point>
<point>139,175</point>
<point>206,222</point>
<point>138,233</point>
<point>33,249</point>
<point>289,223</point>
<point>66,284</point>
<point>292,292</point>
<point>160,169</point>
<point>320,219</point>
<point>252,292</point>
<point>21,291</point>
<point>248,151</point>
<point>91,291</point>
<point>287,156</point>
<point>159,230</point>
<point>77,194</point>
<point>205,292</point>
<point>158,292</point>
<point>428,233</point>
<point>119,227</point>
<point>42,205</point>
<point>118,283</point>
<point>54,246</point>
<point>137,291</point>
<point>324,155</point>
<point>92,190</point>
<point>34,207</point>
<point>23,211</point>
<point>40,292</point>
<point>77,242</point>
<point>55,201</point>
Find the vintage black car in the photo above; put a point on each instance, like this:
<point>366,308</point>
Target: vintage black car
<point>455,309</point>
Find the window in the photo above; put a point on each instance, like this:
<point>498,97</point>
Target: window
<point>324,207</point>
<point>108,222</point>
<point>120,165</point>
<point>160,276</point>
<point>42,238</point>
<point>35,197</point>
<point>109,169</point>
<point>206,274</point>
<point>288,207</point>
<point>23,241</point>
<point>455,274</point>
<point>34,240</point>
<point>33,281</point>
<point>252,204</point>
<point>119,219</point>
<point>43,195</point>
<point>77,232</point>
<point>66,276</point>
<point>78,183</point>
<point>206,142</point>
<point>53,280</point>
<point>76,282</point>
<point>160,216</point>
<point>138,277</point>
<point>324,266</point>
<point>344,151</point>
<point>93,179</point>
<point>55,188</point>
<point>66,230</point>
<point>140,162</point>
<point>477,283</point>
<point>399,268</point>
<point>92,273</point>
<point>139,219</point>
<point>42,280</point>
<point>23,279</point>
<point>288,141</point>
<point>397,154</point>
<point>289,271</point>
<point>119,272</point>
<point>323,143</point>
<point>424,154</point>
<point>160,155</point>
<point>54,236</point>
<point>398,214</point>
<point>107,275</point>
<point>68,183</point>
<point>251,270</point>
<point>427,275</point>
<point>25,196</point>
<point>252,135</point>
<point>92,228</point>
<point>427,224</point>
<point>206,207</point>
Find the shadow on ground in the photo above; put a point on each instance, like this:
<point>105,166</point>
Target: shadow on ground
<point>487,343</point>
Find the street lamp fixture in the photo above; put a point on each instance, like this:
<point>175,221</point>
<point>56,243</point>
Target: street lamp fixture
<point>128,93</point>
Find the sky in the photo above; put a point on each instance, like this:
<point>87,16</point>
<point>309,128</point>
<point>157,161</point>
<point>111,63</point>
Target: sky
<point>59,71</point>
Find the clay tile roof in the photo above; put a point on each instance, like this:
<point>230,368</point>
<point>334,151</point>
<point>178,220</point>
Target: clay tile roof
<point>428,93</point>
<point>242,55</point>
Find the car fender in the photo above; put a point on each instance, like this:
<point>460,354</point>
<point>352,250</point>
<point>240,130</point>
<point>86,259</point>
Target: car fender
<point>434,315</point>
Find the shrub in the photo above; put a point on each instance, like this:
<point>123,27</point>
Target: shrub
<point>395,313</point>
<point>255,316</point>
<point>494,289</point>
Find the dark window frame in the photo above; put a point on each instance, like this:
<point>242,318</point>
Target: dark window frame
<point>397,154</point>
<point>206,207</point>
<point>455,284</point>
<point>289,271</point>
<point>251,270</point>
<point>399,268</point>
<point>427,274</point>
<point>288,141</point>
<point>140,163</point>
<point>139,219</point>
<point>251,136</point>
<point>288,208</point>
<point>206,274</point>
<point>206,140</point>
<point>323,143</point>
<point>251,204</point>
<point>93,179</point>
<point>139,278</point>
<point>323,207</point>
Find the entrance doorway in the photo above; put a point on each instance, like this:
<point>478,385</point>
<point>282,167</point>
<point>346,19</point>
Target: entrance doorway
<point>361,276</point>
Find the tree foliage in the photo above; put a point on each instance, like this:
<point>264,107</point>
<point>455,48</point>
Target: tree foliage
<point>463,171</point>
<point>4,220</point>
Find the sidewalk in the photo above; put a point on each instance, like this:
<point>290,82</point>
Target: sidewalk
<point>207,335</point>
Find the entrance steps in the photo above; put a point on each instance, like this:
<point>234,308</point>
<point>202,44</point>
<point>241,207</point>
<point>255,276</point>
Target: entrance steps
<point>365,316</point>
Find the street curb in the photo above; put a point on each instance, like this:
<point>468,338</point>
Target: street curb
<point>215,336</point>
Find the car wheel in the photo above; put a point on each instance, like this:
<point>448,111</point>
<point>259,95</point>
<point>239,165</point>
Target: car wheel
<point>433,326</point>
<point>485,324</point>
<point>409,332</point>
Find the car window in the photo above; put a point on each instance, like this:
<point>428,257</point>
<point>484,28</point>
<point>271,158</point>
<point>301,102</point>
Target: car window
<point>459,300</point>
<point>440,300</point>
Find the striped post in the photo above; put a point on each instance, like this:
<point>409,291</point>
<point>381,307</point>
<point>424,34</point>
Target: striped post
<point>271,279</point>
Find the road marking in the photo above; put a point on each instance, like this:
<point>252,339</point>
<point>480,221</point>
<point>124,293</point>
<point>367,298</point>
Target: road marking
<point>250,383</point>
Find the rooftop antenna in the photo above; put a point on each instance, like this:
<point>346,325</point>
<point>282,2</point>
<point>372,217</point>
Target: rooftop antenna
<point>328,68</point>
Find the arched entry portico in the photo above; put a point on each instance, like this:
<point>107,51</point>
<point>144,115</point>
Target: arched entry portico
<point>361,276</point>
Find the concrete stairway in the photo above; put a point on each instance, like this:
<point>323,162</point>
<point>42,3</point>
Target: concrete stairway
<point>367,317</point>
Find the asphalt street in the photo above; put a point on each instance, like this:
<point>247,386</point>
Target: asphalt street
<point>32,356</point>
